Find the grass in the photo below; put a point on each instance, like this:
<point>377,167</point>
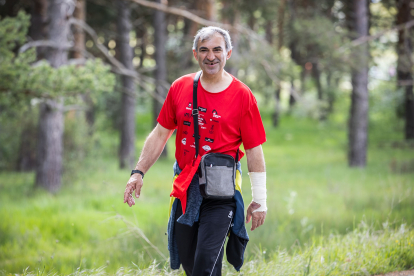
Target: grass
<point>316,206</point>
<point>363,251</point>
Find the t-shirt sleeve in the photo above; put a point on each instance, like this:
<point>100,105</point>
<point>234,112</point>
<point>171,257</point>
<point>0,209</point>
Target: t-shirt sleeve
<point>251,125</point>
<point>167,117</point>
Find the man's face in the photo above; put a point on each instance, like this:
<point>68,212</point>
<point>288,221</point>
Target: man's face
<point>212,55</point>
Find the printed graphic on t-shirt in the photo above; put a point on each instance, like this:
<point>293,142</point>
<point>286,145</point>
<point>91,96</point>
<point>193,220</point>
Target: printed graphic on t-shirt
<point>215,114</point>
<point>206,148</point>
<point>201,121</point>
<point>184,141</point>
<point>202,109</point>
<point>209,140</point>
<point>187,123</point>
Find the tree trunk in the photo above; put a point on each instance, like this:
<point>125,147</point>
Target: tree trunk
<point>127,146</point>
<point>292,99</point>
<point>330,93</point>
<point>358,122</point>
<point>78,33</point>
<point>160,39</point>
<point>38,23</point>
<point>232,17</point>
<point>26,160</point>
<point>405,65</point>
<point>316,74</point>
<point>281,23</point>
<point>141,32</point>
<point>51,121</point>
<point>209,9</point>
<point>50,146</point>
<point>79,43</point>
<point>269,31</point>
<point>276,113</point>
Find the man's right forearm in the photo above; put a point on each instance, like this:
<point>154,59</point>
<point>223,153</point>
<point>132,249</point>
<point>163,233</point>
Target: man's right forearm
<point>153,146</point>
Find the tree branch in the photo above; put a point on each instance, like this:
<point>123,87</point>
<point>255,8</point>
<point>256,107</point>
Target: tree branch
<point>181,12</point>
<point>118,67</point>
<point>364,39</point>
<point>198,19</point>
<point>44,43</point>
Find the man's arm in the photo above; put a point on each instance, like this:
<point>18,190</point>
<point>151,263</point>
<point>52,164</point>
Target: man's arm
<point>153,147</point>
<point>255,164</point>
<point>255,159</point>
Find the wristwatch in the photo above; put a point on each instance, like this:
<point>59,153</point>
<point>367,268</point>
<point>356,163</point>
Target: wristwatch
<point>137,171</point>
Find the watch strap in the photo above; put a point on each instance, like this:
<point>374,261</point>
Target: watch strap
<point>137,171</point>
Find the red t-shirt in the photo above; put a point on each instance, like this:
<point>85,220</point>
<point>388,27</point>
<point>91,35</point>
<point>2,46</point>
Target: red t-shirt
<point>225,120</point>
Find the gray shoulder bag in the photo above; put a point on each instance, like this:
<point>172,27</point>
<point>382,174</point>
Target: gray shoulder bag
<point>217,171</point>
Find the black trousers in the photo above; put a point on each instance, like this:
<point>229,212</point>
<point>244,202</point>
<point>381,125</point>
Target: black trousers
<point>201,246</point>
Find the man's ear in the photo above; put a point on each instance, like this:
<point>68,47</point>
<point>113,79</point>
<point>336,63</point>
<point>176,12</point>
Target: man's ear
<point>195,54</point>
<point>229,54</point>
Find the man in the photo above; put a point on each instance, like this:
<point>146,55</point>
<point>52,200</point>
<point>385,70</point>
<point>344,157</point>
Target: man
<point>228,116</point>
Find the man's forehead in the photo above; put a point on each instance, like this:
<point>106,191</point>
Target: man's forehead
<point>216,40</point>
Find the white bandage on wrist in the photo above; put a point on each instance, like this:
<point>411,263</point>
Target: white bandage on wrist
<point>259,193</point>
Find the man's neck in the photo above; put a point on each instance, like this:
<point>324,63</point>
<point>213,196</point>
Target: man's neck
<point>217,82</point>
<point>213,79</point>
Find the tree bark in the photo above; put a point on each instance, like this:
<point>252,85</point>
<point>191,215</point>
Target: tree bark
<point>405,65</point>
<point>292,99</point>
<point>160,39</point>
<point>316,74</point>
<point>78,33</point>
<point>276,113</point>
<point>127,146</point>
<point>51,121</point>
<point>79,43</point>
<point>281,23</point>
<point>27,151</point>
<point>38,23</point>
<point>232,17</point>
<point>358,121</point>
<point>50,146</point>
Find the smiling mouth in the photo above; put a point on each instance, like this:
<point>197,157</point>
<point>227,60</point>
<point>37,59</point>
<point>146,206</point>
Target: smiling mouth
<point>211,63</point>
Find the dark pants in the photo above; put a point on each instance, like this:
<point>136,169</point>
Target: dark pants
<point>201,246</point>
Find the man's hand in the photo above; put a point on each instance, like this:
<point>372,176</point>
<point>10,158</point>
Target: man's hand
<point>134,184</point>
<point>258,217</point>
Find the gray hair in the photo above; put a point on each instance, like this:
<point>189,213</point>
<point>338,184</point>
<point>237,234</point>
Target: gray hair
<point>206,33</point>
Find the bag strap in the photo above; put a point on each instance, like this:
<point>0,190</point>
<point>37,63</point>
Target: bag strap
<point>195,112</point>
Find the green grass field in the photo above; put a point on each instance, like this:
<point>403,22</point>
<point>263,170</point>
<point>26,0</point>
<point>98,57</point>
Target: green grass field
<point>323,217</point>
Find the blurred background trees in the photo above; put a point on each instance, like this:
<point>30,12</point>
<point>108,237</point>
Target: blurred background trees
<point>300,58</point>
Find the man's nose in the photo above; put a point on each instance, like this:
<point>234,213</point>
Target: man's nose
<point>211,56</point>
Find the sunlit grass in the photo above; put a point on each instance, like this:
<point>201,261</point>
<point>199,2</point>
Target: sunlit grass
<point>363,251</point>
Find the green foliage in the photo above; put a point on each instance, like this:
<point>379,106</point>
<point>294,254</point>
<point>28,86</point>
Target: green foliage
<point>13,33</point>
<point>21,79</point>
